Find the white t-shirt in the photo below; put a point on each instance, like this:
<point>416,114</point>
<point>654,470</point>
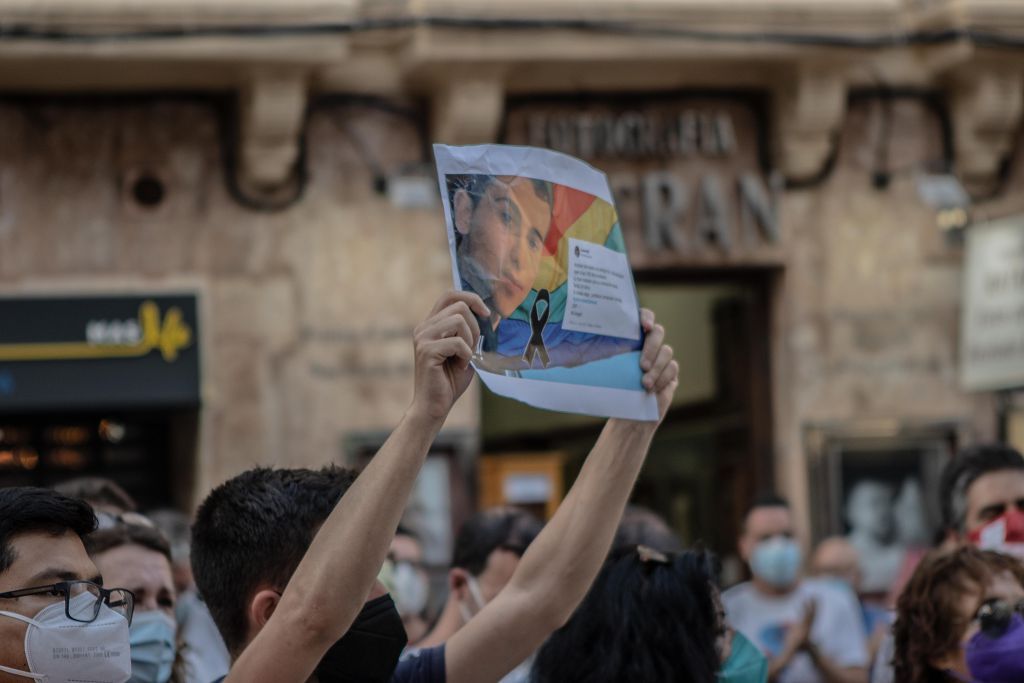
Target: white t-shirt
<point>838,630</point>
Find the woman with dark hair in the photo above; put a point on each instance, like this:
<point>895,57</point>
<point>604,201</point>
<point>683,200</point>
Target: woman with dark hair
<point>961,618</point>
<point>650,616</point>
<point>138,557</point>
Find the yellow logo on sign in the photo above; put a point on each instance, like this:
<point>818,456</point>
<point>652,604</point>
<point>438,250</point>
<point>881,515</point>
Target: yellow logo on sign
<point>168,335</point>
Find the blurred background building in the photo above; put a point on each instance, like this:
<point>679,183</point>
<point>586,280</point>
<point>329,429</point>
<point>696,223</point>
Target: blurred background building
<point>219,225</point>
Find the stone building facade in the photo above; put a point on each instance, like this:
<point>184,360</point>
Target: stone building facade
<point>252,153</point>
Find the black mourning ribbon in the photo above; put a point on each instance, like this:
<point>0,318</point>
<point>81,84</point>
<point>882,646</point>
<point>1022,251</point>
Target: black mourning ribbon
<point>538,319</point>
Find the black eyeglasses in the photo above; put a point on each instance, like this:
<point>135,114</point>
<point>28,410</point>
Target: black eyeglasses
<point>995,615</point>
<point>83,599</point>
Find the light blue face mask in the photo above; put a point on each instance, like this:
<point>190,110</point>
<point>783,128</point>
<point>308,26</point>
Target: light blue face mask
<point>776,561</point>
<point>152,636</point>
<point>746,664</point>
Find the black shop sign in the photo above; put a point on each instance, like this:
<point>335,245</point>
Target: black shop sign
<point>102,352</point>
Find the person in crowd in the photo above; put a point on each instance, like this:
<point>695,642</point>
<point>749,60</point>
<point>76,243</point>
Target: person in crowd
<point>52,598</point>
<point>202,649</point>
<point>811,632</point>
<point>138,557</point>
<point>411,585</point>
<point>106,496</point>
<point>289,569</point>
<point>982,498</point>
<point>487,551</point>
<point>643,526</point>
<point>961,618</point>
<point>836,560</point>
<point>650,616</point>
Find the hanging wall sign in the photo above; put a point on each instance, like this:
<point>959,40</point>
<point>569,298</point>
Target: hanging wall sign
<point>689,174</point>
<point>992,326</point>
<point>120,352</point>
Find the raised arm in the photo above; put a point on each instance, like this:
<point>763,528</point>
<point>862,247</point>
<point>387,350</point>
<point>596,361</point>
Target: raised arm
<point>331,584</point>
<point>561,563</point>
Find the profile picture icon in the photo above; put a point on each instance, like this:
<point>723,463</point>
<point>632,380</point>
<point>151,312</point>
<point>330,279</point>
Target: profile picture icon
<point>577,251</point>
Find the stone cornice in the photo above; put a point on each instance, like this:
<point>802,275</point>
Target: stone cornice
<point>466,56</point>
<point>96,15</point>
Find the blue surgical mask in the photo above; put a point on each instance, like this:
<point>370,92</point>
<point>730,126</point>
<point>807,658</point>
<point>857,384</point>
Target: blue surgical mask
<point>776,561</point>
<point>153,647</point>
<point>745,664</point>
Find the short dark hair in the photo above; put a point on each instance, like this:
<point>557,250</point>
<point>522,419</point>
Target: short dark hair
<point>98,491</point>
<point>26,509</point>
<point>497,528</point>
<point>253,531</point>
<point>964,470</point>
<point>476,184</point>
<point>642,620</point>
<point>150,538</point>
<point>768,499</point>
<point>927,625</point>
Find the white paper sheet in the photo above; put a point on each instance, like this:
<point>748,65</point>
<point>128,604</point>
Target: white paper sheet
<point>565,334</point>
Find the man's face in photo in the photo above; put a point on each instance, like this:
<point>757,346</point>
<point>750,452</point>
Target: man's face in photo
<point>503,234</point>
<point>40,559</point>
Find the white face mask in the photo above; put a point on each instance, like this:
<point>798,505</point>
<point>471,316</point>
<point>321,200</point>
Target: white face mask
<point>61,650</point>
<point>478,598</point>
<point>411,589</point>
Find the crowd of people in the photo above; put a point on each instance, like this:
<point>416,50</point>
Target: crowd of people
<point>305,575</point>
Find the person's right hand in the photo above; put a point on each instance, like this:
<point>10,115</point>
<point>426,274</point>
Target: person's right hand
<point>444,344</point>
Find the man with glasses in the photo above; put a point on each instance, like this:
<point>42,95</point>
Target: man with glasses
<point>57,623</point>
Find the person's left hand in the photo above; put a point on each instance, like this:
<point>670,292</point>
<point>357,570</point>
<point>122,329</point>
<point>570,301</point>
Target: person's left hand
<point>661,372</point>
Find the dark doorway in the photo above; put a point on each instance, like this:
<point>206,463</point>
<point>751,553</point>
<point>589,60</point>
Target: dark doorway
<point>148,454</point>
<point>714,451</point>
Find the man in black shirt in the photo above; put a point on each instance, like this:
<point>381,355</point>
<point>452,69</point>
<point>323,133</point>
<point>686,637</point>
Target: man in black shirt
<point>288,565</point>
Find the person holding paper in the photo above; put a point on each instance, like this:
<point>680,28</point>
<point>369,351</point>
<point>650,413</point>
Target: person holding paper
<point>290,622</point>
<point>504,228</point>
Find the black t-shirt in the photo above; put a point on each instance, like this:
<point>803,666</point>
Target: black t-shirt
<point>425,666</point>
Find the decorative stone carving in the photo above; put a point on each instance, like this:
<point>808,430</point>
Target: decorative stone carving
<point>467,110</point>
<point>808,114</point>
<point>272,110</point>
<point>986,108</point>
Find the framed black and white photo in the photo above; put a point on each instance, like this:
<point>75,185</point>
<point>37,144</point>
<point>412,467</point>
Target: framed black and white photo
<point>879,489</point>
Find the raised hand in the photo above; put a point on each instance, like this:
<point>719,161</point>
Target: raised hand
<point>444,344</point>
<point>661,372</point>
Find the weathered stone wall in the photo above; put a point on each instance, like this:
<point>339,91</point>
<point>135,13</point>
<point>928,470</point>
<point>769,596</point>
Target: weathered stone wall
<point>868,310</point>
<point>306,314</point>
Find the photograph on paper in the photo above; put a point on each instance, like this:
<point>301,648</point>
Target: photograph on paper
<point>535,234</point>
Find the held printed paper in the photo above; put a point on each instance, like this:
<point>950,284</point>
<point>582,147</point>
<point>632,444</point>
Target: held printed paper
<point>535,234</point>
